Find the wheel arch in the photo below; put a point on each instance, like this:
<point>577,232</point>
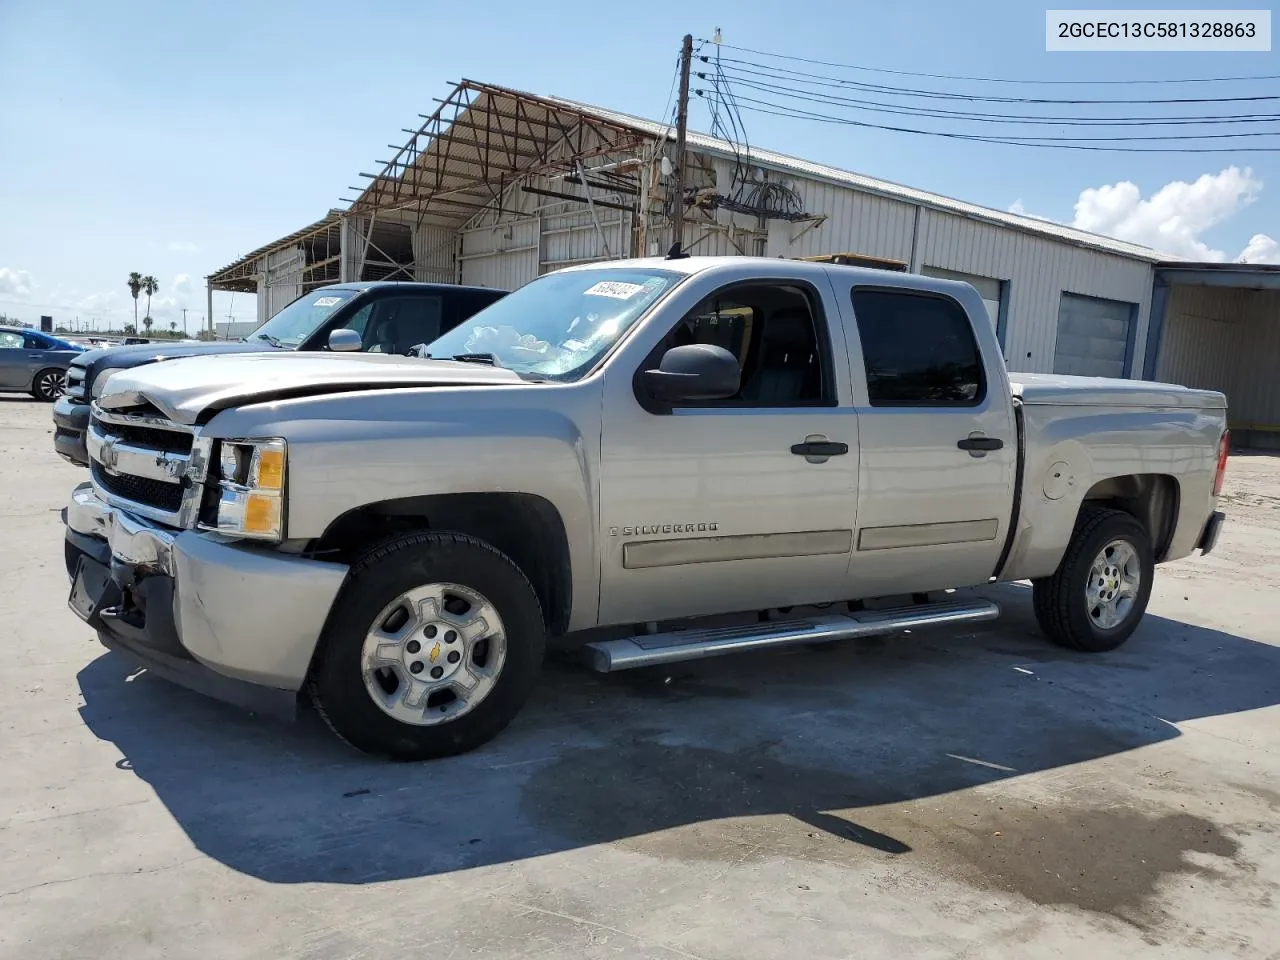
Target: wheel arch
<point>1151,498</point>
<point>526,527</point>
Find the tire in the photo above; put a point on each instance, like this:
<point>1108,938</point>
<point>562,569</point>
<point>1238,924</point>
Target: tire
<point>345,678</point>
<point>1064,606</point>
<point>47,384</point>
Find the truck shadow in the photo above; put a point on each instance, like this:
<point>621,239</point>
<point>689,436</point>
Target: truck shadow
<point>688,763</point>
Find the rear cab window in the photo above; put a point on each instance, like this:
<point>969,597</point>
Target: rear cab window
<point>918,349</point>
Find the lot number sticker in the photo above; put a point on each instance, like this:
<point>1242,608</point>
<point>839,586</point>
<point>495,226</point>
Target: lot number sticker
<point>615,289</point>
<point>327,302</point>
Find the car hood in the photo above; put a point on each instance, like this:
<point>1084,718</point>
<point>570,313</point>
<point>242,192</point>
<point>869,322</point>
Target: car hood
<point>190,389</point>
<point>137,354</point>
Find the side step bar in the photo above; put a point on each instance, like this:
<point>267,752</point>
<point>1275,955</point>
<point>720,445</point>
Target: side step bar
<point>647,650</point>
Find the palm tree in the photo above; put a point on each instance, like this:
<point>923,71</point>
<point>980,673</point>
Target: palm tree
<point>149,286</point>
<point>135,288</point>
<point>173,328</point>
<point>146,322</point>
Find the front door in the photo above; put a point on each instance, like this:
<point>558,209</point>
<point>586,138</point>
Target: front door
<point>719,506</point>
<point>938,442</point>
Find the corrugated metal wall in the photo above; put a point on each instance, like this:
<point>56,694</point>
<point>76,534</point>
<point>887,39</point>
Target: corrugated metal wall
<point>573,237</point>
<point>281,282</point>
<point>1202,338</point>
<point>503,256</point>
<point>1037,270</point>
<point>434,252</point>
<point>1257,401</point>
<point>856,223</point>
<point>1219,338</point>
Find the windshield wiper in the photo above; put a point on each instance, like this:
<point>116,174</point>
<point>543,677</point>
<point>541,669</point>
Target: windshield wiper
<point>274,341</point>
<point>488,358</point>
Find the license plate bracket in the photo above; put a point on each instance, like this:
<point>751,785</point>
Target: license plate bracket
<point>89,588</point>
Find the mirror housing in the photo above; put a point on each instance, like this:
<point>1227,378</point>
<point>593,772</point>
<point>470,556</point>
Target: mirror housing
<point>343,340</point>
<point>695,371</point>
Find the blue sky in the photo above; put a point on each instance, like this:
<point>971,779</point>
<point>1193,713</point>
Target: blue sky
<point>172,138</point>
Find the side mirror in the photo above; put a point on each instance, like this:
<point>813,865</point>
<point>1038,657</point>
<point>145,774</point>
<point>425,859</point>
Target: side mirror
<point>696,371</point>
<point>343,340</point>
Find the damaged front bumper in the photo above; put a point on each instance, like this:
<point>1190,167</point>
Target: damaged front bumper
<point>235,622</point>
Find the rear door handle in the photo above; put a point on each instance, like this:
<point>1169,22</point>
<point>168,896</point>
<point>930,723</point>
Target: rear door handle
<point>980,443</point>
<point>819,448</point>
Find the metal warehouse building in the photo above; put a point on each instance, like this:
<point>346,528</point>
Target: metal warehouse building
<point>498,186</point>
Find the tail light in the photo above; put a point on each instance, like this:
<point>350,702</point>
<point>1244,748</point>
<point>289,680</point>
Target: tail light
<point>1224,449</point>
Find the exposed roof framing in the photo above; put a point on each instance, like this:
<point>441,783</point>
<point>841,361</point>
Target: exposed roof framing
<point>478,142</point>
<point>241,276</point>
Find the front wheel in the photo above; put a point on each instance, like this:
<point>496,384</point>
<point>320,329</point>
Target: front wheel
<point>1099,593</point>
<point>435,643</point>
<point>47,385</point>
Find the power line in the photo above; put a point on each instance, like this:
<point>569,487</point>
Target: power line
<point>880,106</point>
<point>952,115</point>
<point>780,110</point>
<point>767,72</point>
<point>951,76</point>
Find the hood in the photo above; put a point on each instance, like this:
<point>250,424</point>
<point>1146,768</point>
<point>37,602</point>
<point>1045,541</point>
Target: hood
<point>185,389</point>
<point>1062,390</point>
<point>140,353</point>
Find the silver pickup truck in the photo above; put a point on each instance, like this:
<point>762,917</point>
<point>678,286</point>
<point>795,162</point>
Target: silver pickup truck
<point>649,461</point>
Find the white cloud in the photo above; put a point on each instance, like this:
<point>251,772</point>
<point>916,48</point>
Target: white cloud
<point>173,298</point>
<point>15,282</point>
<point>1172,219</point>
<point>183,246</point>
<point>1261,249</point>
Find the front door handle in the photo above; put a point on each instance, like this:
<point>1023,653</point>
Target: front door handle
<point>819,448</point>
<point>980,443</point>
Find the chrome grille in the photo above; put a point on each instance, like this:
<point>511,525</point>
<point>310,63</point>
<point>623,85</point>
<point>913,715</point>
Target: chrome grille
<point>144,490</point>
<point>148,465</point>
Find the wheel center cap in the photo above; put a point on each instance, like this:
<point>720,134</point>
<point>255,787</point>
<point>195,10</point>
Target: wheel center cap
<point>430,656</point>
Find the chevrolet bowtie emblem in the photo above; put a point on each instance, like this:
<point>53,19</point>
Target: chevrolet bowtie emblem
<point>108,456</point>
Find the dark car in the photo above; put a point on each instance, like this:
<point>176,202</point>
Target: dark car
<point>34,362</point>
<point>385,317</point>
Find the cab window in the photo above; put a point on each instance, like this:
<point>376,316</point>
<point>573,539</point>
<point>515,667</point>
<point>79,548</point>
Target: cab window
<point>773,331</point>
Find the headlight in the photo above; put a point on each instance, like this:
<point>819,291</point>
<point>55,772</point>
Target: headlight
<point>100,380</point>
<point>251,489</point>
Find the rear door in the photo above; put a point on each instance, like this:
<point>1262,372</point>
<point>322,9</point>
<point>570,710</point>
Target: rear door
<point>402,321</point>
<point>937,440</point>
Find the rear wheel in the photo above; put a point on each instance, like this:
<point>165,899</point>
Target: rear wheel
<point>434,645</point>
<point>1099,593</point>
<point>47,384</point>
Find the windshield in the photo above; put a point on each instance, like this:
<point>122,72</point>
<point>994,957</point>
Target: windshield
<point>559,325</point>
<point>296,322</point>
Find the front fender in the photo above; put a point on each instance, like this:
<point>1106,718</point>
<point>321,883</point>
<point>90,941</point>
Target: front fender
<point>348,450</point>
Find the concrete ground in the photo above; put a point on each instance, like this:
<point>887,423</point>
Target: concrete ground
<point>970,793</point>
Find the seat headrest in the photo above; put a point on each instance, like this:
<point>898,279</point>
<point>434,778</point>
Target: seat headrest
<point>792,329</point>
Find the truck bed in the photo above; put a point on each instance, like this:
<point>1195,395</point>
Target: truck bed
<point>1060,390</point>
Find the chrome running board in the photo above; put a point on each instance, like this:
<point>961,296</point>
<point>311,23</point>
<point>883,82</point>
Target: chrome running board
<point>647,650</point>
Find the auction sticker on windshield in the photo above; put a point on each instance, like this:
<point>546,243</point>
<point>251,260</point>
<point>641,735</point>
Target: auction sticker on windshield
<point>615,289</point>
<point>327,302</point>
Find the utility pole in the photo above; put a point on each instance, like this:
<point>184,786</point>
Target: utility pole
<point>682,130</point>
<point>184,321</point>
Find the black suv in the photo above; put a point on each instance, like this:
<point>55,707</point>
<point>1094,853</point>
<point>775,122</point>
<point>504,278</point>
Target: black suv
<point>386,317</point>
